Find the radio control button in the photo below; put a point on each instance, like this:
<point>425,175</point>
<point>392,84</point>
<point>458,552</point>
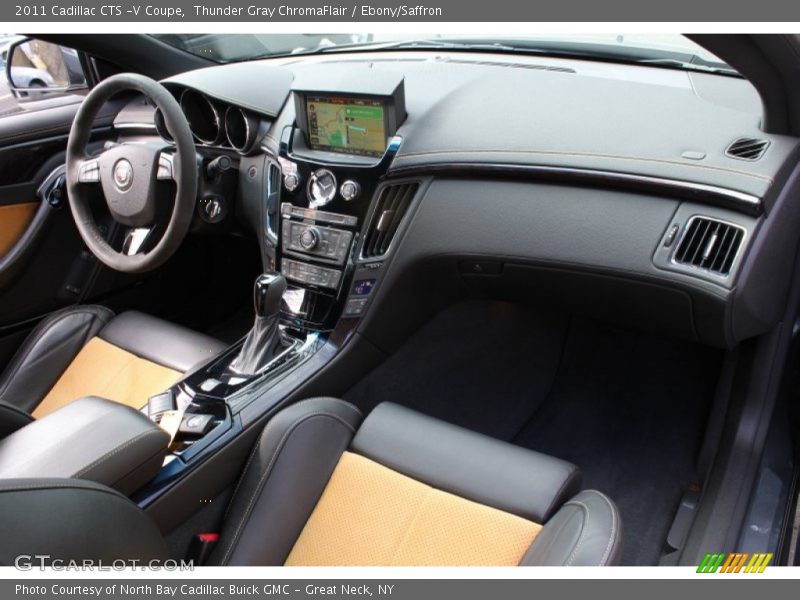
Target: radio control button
<point>332,244</point>
<point>310,274</point>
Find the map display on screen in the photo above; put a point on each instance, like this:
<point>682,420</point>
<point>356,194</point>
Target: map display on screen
<point>348,125</point>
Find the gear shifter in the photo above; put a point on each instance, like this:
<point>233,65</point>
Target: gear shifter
<point>260,344</point>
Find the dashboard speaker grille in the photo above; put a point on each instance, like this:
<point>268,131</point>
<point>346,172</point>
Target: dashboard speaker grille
<point>391,207</point>
<point>747,148</point>
<point>710,245</point>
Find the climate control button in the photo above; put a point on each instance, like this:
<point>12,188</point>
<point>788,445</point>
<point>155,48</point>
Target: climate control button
<point>327,243</point>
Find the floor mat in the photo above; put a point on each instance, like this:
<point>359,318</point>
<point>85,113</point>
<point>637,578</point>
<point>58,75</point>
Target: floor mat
<point>484,366</point>
<point>629,409</point>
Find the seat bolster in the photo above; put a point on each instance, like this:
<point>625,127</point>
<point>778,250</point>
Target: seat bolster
<point>47,352</point>
<point>161,342</point>
<point>466,463</point>
<point>586,531</point>
<point>71,519</point>
<point>283,480</point>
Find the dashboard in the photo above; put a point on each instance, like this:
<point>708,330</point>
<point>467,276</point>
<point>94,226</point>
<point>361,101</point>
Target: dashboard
<point>384,185</point>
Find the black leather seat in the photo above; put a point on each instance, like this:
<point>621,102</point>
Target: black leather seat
<point>87,351</point>
<point>323,488</point>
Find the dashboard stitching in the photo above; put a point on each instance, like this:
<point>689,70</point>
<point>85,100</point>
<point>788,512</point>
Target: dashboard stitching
<point>450,153</point>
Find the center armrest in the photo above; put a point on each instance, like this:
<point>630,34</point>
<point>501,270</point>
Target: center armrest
<point>90,438</point>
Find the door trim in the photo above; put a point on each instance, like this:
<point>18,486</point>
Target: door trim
<point>15,220</point>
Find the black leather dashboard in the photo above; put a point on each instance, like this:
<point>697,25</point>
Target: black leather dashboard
<point>575,167</point>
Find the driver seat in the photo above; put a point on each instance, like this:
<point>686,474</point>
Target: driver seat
<point>86,350</point>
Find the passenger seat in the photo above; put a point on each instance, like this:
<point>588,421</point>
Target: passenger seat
<point>402,488</point>
<point>322,487</point>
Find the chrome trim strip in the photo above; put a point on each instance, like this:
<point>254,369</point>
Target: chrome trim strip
<point>248,134</point>
<point>126,125</point>
<point>704,192</point>
<point>298,352</point>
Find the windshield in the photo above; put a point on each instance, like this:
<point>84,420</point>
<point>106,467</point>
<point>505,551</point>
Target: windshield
<point>668,50</point>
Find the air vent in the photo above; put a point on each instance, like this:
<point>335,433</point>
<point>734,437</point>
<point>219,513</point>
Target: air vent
<point>391,207</point>
<point>747,148</point>
<point>272,204</point>
<point>710,245</point>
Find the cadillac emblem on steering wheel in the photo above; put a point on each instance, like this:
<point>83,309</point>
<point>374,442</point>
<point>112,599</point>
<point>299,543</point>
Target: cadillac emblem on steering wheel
<point>123,174</point>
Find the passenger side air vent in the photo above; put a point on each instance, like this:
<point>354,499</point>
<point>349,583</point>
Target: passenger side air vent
<point>710,245</point>
<point>747,148</point>
<point>391,207</point>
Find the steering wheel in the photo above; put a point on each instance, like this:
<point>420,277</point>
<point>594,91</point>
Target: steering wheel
<point>128,174</point>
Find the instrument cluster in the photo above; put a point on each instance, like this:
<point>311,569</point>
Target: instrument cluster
<point>215,123</point>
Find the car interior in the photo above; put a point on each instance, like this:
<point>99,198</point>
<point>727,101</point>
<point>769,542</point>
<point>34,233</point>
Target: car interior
<point>415,302</point>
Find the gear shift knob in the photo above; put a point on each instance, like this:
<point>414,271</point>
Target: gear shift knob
<point>260,344</point>
<point>268,293</point>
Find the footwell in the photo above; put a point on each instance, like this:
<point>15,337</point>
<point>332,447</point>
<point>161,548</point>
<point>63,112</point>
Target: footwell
<point>630,409</point>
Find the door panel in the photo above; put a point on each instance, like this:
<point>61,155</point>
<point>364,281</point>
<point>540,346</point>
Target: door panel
<point>15,219</point>
<point>44,264</point>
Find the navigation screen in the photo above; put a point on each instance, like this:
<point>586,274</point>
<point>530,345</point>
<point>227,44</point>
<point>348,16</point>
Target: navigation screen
<point>348,125</point>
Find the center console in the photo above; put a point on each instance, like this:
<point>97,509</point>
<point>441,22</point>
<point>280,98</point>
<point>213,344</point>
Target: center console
<point>320,236</point>
<point>330,217</point>
<point>332,162</point>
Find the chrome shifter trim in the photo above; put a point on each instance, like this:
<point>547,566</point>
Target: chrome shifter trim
<point>285,361</point>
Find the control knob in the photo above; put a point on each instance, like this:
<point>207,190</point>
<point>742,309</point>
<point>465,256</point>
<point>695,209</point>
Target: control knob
<point>309,239</point>
<point>321,188</point>
<point>212,209</point>
<point>350,190</point>
<point>291,181</point>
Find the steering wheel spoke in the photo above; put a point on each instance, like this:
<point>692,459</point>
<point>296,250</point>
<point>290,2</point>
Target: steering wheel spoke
<point>166,166</point>
<point>89,171</point>
<point>135,240</point>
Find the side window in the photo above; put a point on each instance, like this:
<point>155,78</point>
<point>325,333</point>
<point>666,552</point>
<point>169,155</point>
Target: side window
<point>37,75</point>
